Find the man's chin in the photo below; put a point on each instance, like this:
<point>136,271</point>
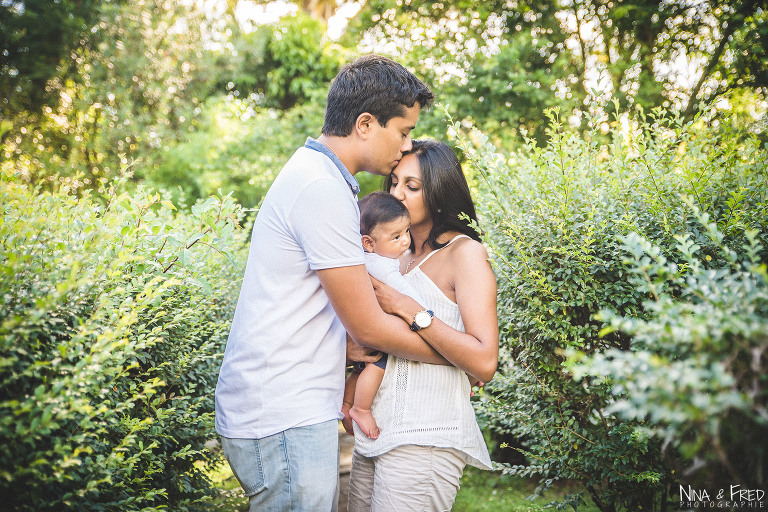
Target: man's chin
<point>381,172</point>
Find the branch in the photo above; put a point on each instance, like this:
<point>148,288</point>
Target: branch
<point>732,25</point>
<point>582,45</point>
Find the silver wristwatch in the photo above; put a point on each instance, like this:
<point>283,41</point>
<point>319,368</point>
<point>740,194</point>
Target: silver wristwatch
<point>422,320</point>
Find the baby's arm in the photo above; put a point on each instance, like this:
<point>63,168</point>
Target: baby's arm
<point>388,273</point>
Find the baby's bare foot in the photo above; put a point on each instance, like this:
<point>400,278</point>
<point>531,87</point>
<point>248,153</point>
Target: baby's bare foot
<point>365,421</point>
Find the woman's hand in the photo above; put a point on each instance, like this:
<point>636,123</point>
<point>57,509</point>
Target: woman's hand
<point>347,421</point>
<point>473,382</point>
<point>394,302</point>
<point>467,274</point>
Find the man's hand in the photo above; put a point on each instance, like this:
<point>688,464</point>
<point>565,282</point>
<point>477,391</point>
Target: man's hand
<point>356,353</point>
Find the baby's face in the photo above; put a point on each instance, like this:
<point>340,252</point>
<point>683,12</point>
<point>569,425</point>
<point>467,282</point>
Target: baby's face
<point>392,239</point>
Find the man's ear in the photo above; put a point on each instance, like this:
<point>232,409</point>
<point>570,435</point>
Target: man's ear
<point>364,124</point>
<point>367,243</point>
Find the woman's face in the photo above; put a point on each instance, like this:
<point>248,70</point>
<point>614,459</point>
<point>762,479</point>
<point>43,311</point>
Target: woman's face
<point>408,188</point>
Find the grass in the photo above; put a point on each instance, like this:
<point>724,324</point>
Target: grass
<point>486,491</point>
<point>231,498</point>
<point>481,491</point>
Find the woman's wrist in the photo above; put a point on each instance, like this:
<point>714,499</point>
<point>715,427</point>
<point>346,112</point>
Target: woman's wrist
<point>409,310</point>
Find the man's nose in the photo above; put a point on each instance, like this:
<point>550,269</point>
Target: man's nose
<point>407,145</point>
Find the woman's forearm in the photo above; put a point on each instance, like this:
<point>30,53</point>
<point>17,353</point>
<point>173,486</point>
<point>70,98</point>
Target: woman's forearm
<point>463,350</point>
<point>474,351</point>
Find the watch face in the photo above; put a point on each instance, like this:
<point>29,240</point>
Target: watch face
<point>423,319</point>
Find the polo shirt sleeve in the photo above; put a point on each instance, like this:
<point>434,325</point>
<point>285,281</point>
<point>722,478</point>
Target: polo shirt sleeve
<point>326,223</point>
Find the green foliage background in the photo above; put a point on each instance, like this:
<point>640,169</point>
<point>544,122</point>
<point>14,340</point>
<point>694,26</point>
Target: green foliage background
<point>114,319</point>
<point>633,325</point>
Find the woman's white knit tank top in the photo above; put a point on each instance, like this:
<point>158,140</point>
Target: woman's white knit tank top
<point>426,404</point>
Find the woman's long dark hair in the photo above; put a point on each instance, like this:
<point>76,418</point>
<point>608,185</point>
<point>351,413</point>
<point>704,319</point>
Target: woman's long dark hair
<point>445,189</point>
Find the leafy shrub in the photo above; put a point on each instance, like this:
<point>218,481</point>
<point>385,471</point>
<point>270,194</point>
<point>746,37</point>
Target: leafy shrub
<point>554,217</point>
<point>239,147</point>
<point>114,317</point>
<point>701,352</point>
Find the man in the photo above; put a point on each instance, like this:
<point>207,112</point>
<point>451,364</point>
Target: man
<point>280,387</point>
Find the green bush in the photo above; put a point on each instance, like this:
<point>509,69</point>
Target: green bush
<point>114,317</point>
<point>554,217</point>
<point>697,372</point>
<point>239,147</point>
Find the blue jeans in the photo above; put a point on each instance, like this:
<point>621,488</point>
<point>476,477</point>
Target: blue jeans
<point>293,470</point>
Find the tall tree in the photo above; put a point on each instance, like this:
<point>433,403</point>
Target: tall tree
<point>36,36</point>
<point>318,9</point>
<point>503,60</point>
<point>131,85</point>
<point>36,41</point>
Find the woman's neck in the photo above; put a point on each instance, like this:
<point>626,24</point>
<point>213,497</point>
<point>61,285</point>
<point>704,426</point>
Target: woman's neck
<point>419,236</point>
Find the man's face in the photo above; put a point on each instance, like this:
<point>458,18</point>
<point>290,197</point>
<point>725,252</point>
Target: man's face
<point>386,144</point>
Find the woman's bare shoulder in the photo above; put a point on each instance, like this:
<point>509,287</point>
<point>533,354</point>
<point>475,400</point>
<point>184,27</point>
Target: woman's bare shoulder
<point>470,267</point>
<point>470,251</point>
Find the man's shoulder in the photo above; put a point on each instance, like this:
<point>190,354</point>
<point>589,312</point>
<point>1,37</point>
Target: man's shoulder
<point>303,170</point>
<point>306,159</point>
<point>307,166</point>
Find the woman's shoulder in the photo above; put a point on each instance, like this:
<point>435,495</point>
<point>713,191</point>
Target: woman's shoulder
<point>467,249</point>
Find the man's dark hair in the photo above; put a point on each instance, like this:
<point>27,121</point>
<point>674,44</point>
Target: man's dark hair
<point>379,208</point>
<point>445,189</point>
<point>372,84</point>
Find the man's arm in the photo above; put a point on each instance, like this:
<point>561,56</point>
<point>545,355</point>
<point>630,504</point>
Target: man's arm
<point>351,294</point>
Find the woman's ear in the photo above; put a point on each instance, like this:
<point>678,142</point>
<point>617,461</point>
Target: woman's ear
<point>367,243</point>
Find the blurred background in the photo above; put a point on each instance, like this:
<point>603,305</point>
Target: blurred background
<point>196,96</point>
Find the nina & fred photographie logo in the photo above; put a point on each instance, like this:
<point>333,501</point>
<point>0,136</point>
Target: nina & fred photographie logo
<point>734,497</point>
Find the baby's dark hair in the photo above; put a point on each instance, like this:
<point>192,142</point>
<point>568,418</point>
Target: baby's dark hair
<point>378,208</point>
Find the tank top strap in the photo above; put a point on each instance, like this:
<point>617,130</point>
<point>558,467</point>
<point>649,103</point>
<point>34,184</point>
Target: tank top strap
<point>440,249</point>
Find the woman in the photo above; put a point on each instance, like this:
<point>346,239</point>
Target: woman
<point>428,427</point>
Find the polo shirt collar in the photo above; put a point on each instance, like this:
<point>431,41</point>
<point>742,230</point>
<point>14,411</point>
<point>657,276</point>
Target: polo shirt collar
<point>322,148</point>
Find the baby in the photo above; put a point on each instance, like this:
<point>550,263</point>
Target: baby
<point>384,226</point>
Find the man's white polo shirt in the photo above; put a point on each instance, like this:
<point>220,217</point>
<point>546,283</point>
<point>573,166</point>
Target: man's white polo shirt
<point>284,362</point>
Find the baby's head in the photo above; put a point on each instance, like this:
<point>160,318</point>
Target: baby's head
<point>384,224</point>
